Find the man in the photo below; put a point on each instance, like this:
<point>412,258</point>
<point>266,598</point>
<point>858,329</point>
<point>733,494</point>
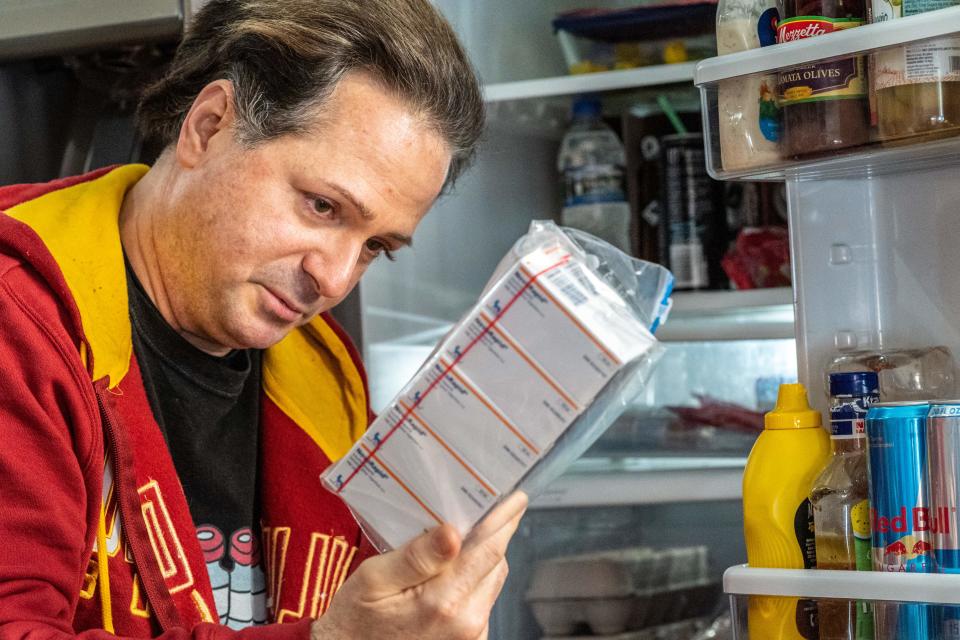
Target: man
<point>172,385</point>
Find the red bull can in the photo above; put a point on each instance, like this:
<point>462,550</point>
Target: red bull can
<point>943,471</point>
<point>899,510</point>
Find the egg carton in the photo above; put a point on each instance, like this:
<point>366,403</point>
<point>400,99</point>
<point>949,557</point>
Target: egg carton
<point>613,615</point>
<point>617,573</point>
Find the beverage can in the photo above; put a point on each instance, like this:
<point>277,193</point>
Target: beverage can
<point>899,512</point>
<point>693,229</point>
<point>943,463</point>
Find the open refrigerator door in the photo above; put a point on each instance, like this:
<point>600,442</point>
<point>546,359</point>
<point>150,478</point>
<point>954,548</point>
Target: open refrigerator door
<point>869,154</point>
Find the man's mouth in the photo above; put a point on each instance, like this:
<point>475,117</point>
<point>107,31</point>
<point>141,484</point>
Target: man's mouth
<point>281,306</point>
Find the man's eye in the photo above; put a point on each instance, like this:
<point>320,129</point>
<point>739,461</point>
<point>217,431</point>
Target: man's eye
<point>323,207</point>
<point>377,248</point>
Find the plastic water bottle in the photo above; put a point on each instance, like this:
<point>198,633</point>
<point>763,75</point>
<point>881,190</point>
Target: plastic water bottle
<point>591,163</point>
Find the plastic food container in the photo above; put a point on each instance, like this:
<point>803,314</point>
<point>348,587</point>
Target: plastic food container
<point>606,39</point>
<point>623,590</point>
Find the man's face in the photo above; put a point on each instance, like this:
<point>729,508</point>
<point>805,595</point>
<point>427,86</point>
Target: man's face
<point>259,241</point>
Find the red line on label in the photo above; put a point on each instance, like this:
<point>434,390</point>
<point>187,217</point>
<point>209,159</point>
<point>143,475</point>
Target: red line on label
<point>399,482</point>
<point>449,367</point>
<point>489,406</point>
<point>463,463</point>
<point>543,374</point>
<point>563,309</point>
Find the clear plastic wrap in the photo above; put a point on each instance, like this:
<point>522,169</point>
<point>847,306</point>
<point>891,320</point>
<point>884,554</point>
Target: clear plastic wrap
<point>559,343</point>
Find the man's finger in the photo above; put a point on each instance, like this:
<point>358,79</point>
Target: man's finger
<point>502,515</point>
<point>412,564</point>
<point>487,592</point>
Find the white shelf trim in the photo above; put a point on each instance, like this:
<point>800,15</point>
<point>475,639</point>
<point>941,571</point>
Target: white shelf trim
<point>642,488</point>
<point>932,24</point>
<point>862,585</point>
<point>712,301</point>
<point>590,82</point>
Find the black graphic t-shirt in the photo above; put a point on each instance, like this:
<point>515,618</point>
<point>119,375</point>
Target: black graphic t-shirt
<point>208,409</point>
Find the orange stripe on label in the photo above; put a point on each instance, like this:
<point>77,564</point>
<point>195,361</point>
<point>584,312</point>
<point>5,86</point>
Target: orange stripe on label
<point>401,483</point>
<point>489,406</point>
<point>543,374</point>
<point>573,319</point>
<point>453,453</point>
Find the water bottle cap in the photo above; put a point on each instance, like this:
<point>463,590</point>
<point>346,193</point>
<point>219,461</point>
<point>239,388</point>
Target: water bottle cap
<point>855,383</point>
<point>792,411</point>
<point>587,106</point>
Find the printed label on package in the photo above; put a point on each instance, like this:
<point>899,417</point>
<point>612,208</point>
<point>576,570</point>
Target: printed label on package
<point>415,444</point>
<point>472,425</point>
<point>933,61</point>
<point>837,80</point>
<point>526,394</point>
<point>834,80</point>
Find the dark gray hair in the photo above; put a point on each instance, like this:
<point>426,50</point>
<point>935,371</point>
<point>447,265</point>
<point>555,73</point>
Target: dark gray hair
<point>284,58</point>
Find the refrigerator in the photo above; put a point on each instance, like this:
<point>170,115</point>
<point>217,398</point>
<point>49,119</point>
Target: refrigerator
<point>872,236</point>
<point>872,230</point>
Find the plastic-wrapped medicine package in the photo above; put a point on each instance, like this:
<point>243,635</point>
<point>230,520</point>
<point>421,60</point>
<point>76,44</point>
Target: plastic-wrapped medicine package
<point>560,341</point>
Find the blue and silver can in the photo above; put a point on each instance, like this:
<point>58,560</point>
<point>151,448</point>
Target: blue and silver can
<point>899,512</point>
<point>943,471</point>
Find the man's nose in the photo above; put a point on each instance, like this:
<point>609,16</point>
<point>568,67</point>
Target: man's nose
<point>332,269</point>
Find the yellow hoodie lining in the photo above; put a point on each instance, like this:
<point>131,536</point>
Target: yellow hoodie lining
<point>79,225</point>
<point>309,374</point>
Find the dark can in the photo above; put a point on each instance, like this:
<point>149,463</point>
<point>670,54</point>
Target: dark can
<point>693,218</point>
<point>899,511</point>
<point>943,471</point>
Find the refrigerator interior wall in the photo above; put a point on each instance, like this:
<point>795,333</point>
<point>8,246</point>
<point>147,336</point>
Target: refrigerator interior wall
<point>33,101</point>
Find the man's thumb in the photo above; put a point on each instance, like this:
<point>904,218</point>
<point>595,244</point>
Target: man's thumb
<point>417,561</point>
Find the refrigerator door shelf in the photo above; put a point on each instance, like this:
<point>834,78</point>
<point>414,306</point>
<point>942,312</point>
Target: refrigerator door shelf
<point>851,103</point>
<point>741,580</point>
<point>864,39</point>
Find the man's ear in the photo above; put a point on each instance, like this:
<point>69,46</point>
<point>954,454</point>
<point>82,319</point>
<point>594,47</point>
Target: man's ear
<point>210,114</point>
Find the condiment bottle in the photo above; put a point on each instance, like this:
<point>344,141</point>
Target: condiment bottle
<point>777,517</point>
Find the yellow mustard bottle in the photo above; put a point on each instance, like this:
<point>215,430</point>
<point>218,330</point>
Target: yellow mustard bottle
<point>777,516</point>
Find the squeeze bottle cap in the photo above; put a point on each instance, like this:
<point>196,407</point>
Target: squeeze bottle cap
<point>792,410</point>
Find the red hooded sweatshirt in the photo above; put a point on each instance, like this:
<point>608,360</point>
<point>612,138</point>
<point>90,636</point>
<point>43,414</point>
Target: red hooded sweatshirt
<point>95,529</point>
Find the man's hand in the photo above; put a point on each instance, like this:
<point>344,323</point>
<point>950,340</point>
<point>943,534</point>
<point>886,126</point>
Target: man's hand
<point>434,587</point>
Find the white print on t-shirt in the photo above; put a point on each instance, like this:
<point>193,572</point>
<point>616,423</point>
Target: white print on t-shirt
<point>240,594</point>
